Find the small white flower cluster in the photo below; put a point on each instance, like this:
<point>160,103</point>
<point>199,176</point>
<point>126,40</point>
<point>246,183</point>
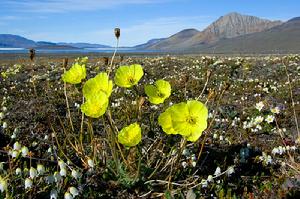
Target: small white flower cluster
<point>4,110</point>
<point>76,105</point>
<point>259,106</point>
<point>235,121</point>
<point>253,124</point>
<point>266,159</point>
<point>18,149</point>
<point>3,185</point>
<point>190,159</point>
<point>71,193</point>
<point>117,102</point>
<point>280,150</point>
<point>221,138</point>
<point>217,173</point>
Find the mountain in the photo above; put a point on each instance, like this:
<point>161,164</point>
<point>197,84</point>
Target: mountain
<point>174,40</point>
<point>283,38</point>
<point>228,26</point>
<point>148,43</point>
<point>84,45</point>
<point>45,43</point>
<point>15,41</point>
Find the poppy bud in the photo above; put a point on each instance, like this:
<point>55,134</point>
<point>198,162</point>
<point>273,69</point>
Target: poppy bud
<point>65,62</point>
<point>31,54</point>
<point>117,32</point>
<point>208,73</point>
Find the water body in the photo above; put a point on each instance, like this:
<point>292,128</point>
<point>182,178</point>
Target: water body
<point>76,51</point>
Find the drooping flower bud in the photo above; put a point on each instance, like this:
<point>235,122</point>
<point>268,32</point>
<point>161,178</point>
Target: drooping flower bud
<point>117,32</point>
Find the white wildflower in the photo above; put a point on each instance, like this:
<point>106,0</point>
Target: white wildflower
<point>61,164</point>
<point>24,151</point>
<point>74,191</point>
<point>270,118</point>
<point>57,176</point>
<point>259,106</point>
<point>3,184</point>
<point>28,183</point>
<point>215,136</point>
<point>14,153</point>
<point>204,183</point>
<point>76,174</point>
<point>221,138</point>
<point>63,172</point>
<point>91,163</point>
<point>17,146</point>
<point>40,169</point>
<point>258,120</point>
<point>32,172</point>
<point>275,151</point>
<point>68,196</point>
<point>275,110</point>
<point>194,164</point>
<point>230,170</point>
<point>184,164</point>
<point>210,178</point>
<point>53,194</point>
<point>218,171</point>
<point>18,171</point>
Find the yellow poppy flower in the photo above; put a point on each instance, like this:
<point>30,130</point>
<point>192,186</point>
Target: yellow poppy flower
<point>75,74</point>
<point>159,92</point>
<point>131,135</point>
<point>96,105</point>
<point>128,76</point>
<point>187,119</point>
<point>99,83</point>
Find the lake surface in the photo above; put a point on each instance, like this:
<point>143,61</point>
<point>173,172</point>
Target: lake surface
<point>78,51</point>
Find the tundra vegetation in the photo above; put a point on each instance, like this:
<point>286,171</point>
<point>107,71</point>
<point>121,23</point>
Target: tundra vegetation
<point>150,127</point>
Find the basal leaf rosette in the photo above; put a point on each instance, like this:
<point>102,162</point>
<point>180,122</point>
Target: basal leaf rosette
<point>188,119</point>
<point>97,84</point>
<point>96,105</point>
<point>75,74</point>
<point>159,92</point>
<point>128,76</point>
<point>131,135</point>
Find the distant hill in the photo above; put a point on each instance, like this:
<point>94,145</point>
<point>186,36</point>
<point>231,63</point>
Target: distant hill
<point>279,39</point>
<point>174,40</point>
<point>15,41</point>
<point>148,43</point>
<point>228,26</point>
<point>55,47</point>
<point>85,45</point>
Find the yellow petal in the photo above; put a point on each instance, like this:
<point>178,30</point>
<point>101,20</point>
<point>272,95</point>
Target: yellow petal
<point>75,74</point>
<point>96,105</point>
<point>131,135</point>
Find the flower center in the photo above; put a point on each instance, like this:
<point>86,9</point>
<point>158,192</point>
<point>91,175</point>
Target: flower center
<point>131,80</point>
<point>191,120</point>
<point>161,95</point>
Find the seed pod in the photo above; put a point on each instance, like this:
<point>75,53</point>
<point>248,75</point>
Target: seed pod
<point>31,54</point>
<point>65,62</point>
<point>117,32</point>
<point>105,60</point>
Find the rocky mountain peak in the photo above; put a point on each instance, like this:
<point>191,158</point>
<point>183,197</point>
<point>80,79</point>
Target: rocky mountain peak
<point>235,24</point>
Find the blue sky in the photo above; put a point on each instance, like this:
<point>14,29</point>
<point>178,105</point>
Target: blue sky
<point>140,20</point>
